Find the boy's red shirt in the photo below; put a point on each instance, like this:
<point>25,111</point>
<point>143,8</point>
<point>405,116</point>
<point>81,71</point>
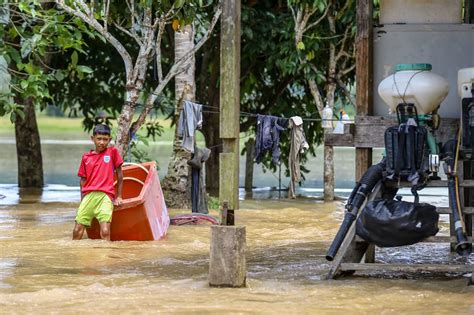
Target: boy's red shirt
<point>98,170</point>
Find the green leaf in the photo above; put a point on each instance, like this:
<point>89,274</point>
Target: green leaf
<point>84,69</point>
<point>24,84</point>
<point>23,6</point>
<point>20,113</point>
<point>74,58</point>
<point>179,3</point>
<point>59,75</point>
<point>300,46</point>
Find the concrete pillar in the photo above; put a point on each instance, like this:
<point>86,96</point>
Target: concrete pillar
<point>227,263</point>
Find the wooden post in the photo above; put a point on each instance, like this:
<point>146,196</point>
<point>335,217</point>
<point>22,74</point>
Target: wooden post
<point>227,263</point>
<point>230,104</point>
<point>364,76</point>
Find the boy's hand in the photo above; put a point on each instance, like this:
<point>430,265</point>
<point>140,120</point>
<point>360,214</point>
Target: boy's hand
<point>118,201</point>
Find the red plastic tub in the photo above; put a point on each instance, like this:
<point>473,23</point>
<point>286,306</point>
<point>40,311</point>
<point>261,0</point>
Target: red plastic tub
<point>143,215</point>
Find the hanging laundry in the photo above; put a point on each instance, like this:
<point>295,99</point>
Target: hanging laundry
<point>197,162</point>
<point>298,145</point>
<point>268,136</point>
<point>190,119</point>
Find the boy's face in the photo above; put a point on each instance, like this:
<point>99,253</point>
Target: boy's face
<point>101,142</point>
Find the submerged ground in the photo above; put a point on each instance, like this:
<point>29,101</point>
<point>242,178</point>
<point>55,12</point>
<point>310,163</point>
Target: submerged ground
<point>43,271</point>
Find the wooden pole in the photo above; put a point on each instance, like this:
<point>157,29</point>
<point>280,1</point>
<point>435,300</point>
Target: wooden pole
<point>230,104</point>
<point>364,76</point>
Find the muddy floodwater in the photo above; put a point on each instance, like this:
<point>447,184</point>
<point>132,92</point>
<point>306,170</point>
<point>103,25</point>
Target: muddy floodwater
<point>43,271</point>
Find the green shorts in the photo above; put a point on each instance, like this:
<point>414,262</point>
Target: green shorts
<point>95,204</point>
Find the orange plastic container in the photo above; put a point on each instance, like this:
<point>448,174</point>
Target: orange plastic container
<point>143,215</point>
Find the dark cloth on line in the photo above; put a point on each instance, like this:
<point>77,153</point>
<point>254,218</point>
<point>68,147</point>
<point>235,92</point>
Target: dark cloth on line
<point>198,185</point>
<point>268,136</point>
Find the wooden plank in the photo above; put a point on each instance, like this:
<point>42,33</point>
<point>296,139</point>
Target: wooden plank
<point>407,268</point>
<point>370,254</point>
<point>443,239</point>
<point>364,75</point>
<point>467,183</point>
<point>447,210</point>
<point>437,183</point>
<point>431,183</point>
<point>368,132</point>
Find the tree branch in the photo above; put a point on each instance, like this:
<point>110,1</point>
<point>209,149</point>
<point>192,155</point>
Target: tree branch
<point>313,87</point>
<point>342,52</point>
<point>85,16</point>
<point>106,18</point>
<point>319,19</point>
<point>159,36</point>
<point>175,69</point>
<point>347,70</point>
<point>345,89</point>
<point>124,30</point>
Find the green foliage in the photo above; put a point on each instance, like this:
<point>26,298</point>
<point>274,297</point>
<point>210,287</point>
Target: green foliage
<point>213,203</point>
<point>34,34</point>
<point>272,77</point>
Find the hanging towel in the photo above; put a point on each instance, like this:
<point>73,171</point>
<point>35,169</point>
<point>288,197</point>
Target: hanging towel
<point>190,119</point>
<point>268,136</point>
<point>297,146</point>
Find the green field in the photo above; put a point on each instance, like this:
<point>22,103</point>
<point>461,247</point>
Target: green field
<point>63,128</point>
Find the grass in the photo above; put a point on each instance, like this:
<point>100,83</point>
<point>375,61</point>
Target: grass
<point>50,127</point>
<point>64,128</point>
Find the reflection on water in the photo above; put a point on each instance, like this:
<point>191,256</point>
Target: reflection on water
<point>43,271</point>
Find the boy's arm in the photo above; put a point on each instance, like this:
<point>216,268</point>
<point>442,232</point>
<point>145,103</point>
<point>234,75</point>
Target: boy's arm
<point>82,183</point>
<point>118,199</point>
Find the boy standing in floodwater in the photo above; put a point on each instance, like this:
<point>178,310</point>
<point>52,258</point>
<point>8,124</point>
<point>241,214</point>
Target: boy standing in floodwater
<point>97,184</point>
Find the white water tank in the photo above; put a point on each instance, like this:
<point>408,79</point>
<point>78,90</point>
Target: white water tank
<point>465,82</point>
<point>414,83</point>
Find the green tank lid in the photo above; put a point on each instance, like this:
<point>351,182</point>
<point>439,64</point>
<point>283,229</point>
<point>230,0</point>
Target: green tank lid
<point>413,66</point>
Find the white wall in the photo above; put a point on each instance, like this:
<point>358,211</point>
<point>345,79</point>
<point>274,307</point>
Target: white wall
<point>420,11</point>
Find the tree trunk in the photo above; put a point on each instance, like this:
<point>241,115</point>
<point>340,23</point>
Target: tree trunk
<point>176,185</point>
<point>328,173</point>
<point>28,148</point>
<point>250,148</point>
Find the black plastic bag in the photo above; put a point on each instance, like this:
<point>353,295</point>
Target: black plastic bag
<point>389,223</point>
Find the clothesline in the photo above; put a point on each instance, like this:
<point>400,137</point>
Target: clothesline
<point>247,114</point>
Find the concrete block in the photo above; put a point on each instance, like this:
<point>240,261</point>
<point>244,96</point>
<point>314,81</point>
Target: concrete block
<point>227,263</point>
